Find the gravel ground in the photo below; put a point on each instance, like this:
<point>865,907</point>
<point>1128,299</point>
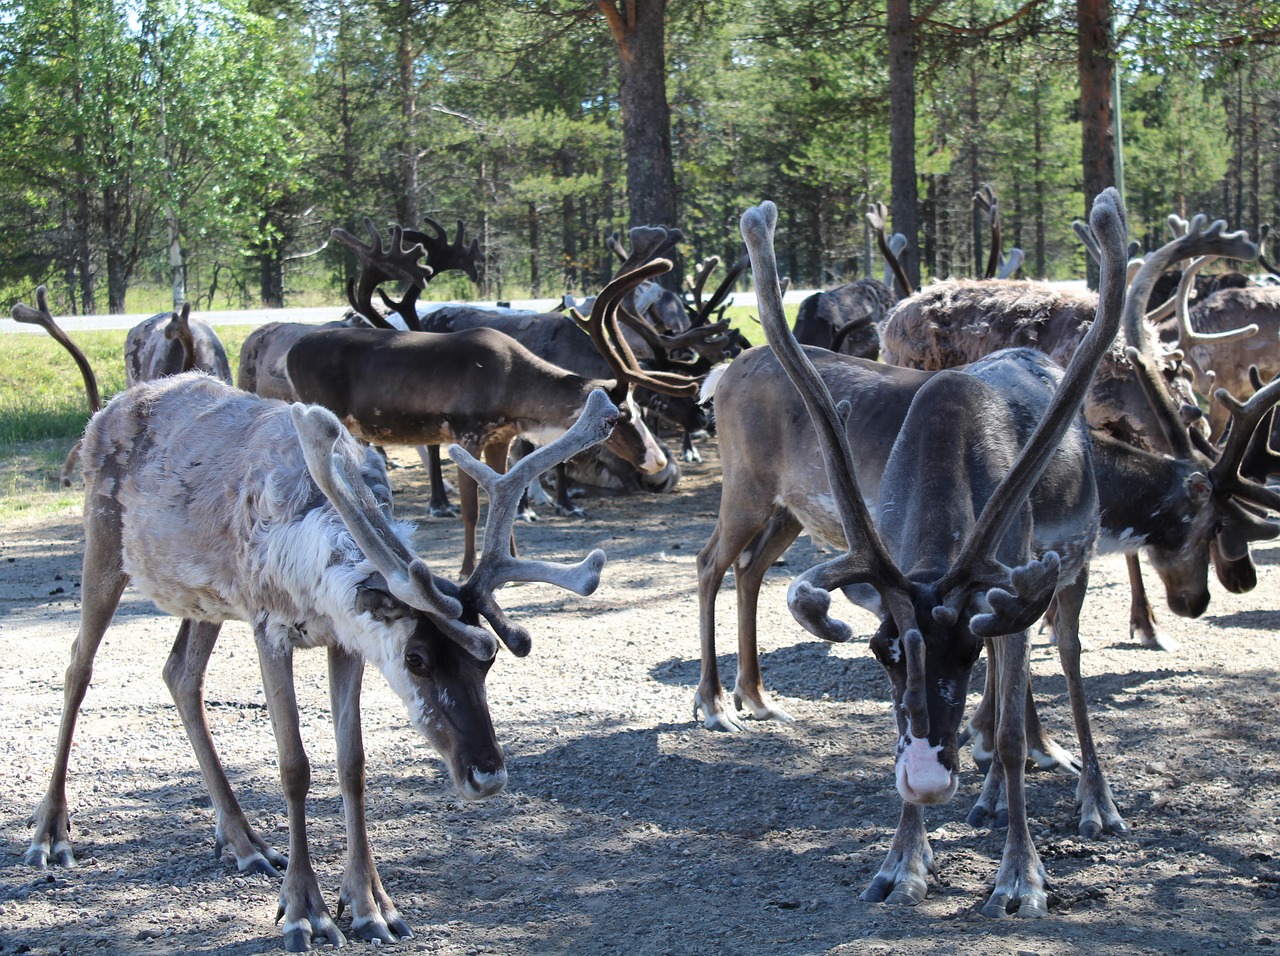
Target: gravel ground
<point>626,827</point>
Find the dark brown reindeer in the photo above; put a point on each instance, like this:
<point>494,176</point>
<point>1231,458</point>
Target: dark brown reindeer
<point>165,344</point>
<point>957,559</point>
<point>288,527</point>
<point>1174,505</point>
<point>478,387</point>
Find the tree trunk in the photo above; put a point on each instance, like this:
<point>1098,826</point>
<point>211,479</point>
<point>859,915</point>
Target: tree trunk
<point>535,276</point>
<point>638,28</point>
<point>902,132</point>
<point>1094,47</point>
<point>407,202</point>
<point>1037,167</point>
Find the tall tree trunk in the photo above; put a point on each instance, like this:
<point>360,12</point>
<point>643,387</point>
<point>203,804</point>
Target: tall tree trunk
<point>976,216</point>
<point>902,131</point>
<point>1037,172</point>
<point>115,229</point>
<point>639,30</point>
<point>535,276</point>
<point>1095,44</point>
<point>407,202</point>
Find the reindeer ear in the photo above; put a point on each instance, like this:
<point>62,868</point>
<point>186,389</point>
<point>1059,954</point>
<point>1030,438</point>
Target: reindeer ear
<point>1023,602</point>
<point>373,597</point>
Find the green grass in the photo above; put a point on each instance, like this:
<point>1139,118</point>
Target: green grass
<point>43,411</point>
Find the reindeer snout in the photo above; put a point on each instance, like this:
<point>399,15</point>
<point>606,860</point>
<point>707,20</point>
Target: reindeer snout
<point>1189,603</point>
<point>922,777</point>
<point>480,784</point>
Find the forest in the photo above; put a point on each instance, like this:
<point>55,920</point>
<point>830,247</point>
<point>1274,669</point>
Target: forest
<point>207,148</point>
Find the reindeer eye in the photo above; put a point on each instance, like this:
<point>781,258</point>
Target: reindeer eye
<point>416,663</point>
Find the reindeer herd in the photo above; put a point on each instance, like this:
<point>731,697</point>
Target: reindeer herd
<point>1009,432</point>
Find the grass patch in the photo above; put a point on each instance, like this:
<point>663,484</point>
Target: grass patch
<point>43,411</point>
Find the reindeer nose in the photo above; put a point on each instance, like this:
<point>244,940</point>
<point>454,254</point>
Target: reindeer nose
<point>1190,603</point>
<point>480,784</point>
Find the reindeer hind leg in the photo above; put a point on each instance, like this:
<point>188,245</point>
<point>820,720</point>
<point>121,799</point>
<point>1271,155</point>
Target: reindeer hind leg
<point>184,674</point>
<point>102,583</point>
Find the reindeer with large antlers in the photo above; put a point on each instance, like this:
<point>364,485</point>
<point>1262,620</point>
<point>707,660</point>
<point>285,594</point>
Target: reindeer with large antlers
<point>219,505</point>
<point>478,387</point>
<point>958,321</point>
<point>1180,507</point>
<point>957,560</point>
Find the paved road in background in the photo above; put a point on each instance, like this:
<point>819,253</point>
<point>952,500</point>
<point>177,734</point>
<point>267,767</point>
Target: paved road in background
<point>72,323</point>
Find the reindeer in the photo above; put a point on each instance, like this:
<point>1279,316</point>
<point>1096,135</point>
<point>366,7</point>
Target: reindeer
<point>958,560</point>
<point>220,505</point>
<point>846,319</point>
<point>478,387</point>
<point>959,321</point>
<point>165,344</point>
<point>1180,507</point>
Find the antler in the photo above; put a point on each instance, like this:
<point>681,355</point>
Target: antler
<point>701,312</point>
<point>602,326</point>
<point>1107,221</point>
<point>497,566</point>
<point>1260,460</point>
<point>985,199</point>
<point>877,213</point>
<point>333,466</point>
<point>42,317</point>
<point>1263,232</point>
<point>380,263</point>
<point>647,244</point>
<point>1187,336</point>
<point>1196,241</point>
<point>443,257</point>
<point>1245,418</point>
<point>179,327</point>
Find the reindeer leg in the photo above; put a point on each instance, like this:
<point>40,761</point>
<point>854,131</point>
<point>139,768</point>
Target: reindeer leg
<point>184,674</point>
<point>688,450</point>
<point>564,506</point>
<point>1098,811</point>
<point>904,875</point>
<point>1142,617</point>
<point>301,903</point>
<point>103,582</point>
<point>749,572</point>
<point>69,464</point>
<point>439,506</point>
<point>373,915</point>
<point>1043,752</point>
<point>1020,880</point>
<point>469,497</point>
<point>710,696</point>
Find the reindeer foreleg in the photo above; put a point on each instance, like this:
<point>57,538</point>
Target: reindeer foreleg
<point>302,906</point>
<point>1098,811</point>
<point>1142,617</point>
<point>904,875</point>
<point>1020,880</point>
<point>184,674</point>
<point>373,915</point>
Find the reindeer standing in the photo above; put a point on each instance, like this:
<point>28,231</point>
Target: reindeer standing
<point>219,505</point>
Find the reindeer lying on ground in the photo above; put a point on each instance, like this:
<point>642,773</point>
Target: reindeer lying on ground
<point>165,344</point>
<point>958,559</point>
<point>219,505</point>
<point>479,387</point>
<point>1180,506</point>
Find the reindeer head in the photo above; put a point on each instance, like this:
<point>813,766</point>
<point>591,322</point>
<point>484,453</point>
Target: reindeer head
<point>437,653</point>
<point>954,595</point>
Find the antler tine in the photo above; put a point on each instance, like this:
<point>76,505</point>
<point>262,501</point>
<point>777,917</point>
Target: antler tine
<point>1245,418</point>
<point>1189,337</point>
<point>866,559</point>
<point>334,469</point>
<point>698,281</point>
<point>1177,225</point>
<point>876,215</point>
<point>1011,263</point>
<point>1197,241</point>
<point>1108,224</point>
<point>1086,236</point>
<point>497,566</point>
<point>42,317</point>
<point>986,198</point>
<point>1172,425</point>
<point>722,290</point>
<point>461,256</point>
<point>647,244</point>
<point>1263,233</point>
